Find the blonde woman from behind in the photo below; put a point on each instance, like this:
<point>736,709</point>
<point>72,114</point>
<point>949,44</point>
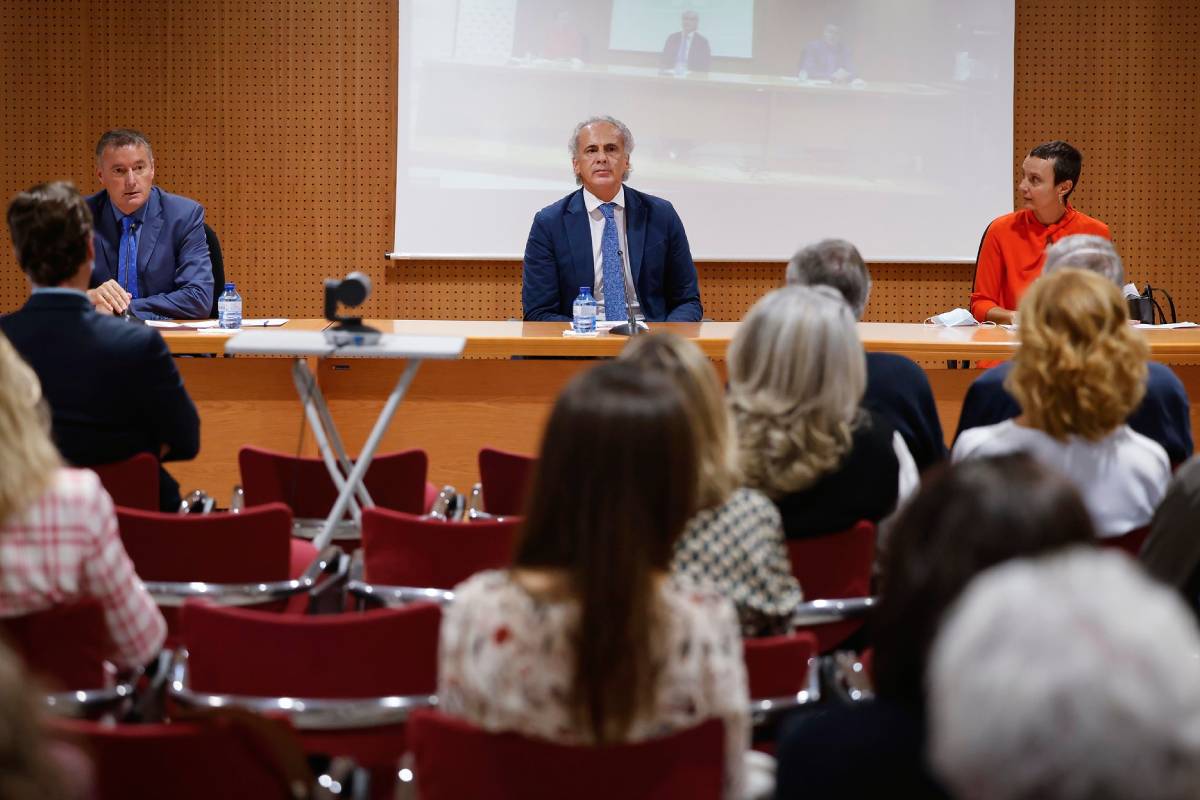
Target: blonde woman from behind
<point>1079,372</point>
<point>735,541</point>
<point>58,532</point>
<point>796,380</point>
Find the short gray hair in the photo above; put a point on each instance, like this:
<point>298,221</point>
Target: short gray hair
<point>1086,251</point>
<point>1069,677</point>
<point>123,137</point>
<point>797,374</point>
<point>622,129</point>
<point>836,263</point>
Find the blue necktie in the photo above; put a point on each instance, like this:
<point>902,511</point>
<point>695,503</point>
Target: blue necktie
<point>682,58</point>
<point>614,270</point>
<point>127,262</point>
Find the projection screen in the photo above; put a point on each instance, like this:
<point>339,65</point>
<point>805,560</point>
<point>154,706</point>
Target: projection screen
<point>781,121</point>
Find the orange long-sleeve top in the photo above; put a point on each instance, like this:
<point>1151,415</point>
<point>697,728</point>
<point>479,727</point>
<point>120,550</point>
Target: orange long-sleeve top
<point>1013,252</point>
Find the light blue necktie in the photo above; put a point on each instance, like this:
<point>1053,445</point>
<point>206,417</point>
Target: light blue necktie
<point>614,270</point>
<point>127,262</point>
<point>682,58</point>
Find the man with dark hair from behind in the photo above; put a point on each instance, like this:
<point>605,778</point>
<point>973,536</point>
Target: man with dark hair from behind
<point>1164,414</point>
<point>1014,245</point>
<point>897,389</point>
<point>112,386</point>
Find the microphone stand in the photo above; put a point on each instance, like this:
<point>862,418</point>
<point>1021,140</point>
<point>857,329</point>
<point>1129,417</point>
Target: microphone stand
<point>631,327</point>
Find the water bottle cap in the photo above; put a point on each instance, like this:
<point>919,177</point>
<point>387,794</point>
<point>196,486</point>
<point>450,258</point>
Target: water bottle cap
<point>584,289</point>
<point>229,286</point>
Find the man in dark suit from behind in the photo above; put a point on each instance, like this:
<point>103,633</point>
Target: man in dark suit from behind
<point>686,50</point>
<point>111,384</point>
<point>897,389</point>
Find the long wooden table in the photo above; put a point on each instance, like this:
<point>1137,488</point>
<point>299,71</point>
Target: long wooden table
<point>501,392</point>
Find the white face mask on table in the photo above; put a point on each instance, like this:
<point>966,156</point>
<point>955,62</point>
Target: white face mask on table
<point>952,319</point>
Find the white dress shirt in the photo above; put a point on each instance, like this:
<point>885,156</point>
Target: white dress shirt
<point>592,204</point>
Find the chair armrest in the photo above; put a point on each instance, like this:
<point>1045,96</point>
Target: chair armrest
<point>825,612</point>
<point>304,713</point>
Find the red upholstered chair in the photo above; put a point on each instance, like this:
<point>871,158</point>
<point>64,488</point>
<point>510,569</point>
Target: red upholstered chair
<point>252,547</point>
<point>782,676</point>
<point>505,478</point>
<point>345,681</point>
<point>65,647</point>
<point>778,666</point>
<point>404,550</point>
<point>394,480</point>
<point>454,759</point>
<point>132,483</point>
<point>835,565</point>
<point>1130,543</point>
<point>182,760</point>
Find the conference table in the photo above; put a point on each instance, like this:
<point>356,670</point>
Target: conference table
<point>499,393</point>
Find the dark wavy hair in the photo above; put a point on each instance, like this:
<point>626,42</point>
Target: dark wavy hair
<point>615,484</point>
<point>966,518</point>
<point>51,226</point>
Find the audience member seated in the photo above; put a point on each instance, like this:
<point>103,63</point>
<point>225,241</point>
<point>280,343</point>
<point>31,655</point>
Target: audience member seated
<point>111,384</point>
<point>1163,414</point>
<point>1079,371</point>
<point>796,381</point>
<point>1072,677</point>
<point>58,533</point>
<point>1172,551</point>
<point>587,639</point>
<point>897,389</point>
<point>965,519</point>
<point>735,542</point>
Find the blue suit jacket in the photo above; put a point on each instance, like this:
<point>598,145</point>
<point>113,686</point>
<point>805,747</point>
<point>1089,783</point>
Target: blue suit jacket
<point>112,386</point>
<point>175,276</point>
<point>1164,414</point>
<point>558,260</point>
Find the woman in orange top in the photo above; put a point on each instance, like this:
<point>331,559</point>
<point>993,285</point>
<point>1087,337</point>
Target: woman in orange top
<point>1014,246</point>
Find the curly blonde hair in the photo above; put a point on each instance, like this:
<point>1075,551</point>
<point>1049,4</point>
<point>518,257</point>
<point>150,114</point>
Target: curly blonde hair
<point>797,374</point>
<point>1081,369</point>
<point>28,458</point>
<point>682,362</point>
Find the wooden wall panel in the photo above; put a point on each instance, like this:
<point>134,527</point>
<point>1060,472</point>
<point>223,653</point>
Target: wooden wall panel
<point>280,117</point>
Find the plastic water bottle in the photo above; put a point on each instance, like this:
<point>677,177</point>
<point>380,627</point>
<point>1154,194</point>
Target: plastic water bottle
<point>229,308</point>
<point>584,311</point>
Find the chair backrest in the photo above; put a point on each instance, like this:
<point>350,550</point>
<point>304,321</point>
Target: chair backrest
<point>253,546</point>
<point>505,478</point>
<point>836,564</point>
<point>374,654</point>
<point>403,550</point>
<point>132,483</point>
<point>777,666</point>
<point>182,760</point>
<point>66,646</point>
<point>218,267</point>
<point>395,480</point>
<point>454,759</point>
<point>1130,543</point>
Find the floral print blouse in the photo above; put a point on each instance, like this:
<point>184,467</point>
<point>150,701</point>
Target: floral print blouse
<point>506,664</point>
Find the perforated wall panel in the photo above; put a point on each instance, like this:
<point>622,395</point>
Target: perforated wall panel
<point>280,117</point>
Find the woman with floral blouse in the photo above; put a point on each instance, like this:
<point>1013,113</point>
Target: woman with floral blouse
<point>587,638</point>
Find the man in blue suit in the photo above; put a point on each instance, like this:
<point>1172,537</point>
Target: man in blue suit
<point>626,245</point>
<point>151,254</point>
<point>111,384</point>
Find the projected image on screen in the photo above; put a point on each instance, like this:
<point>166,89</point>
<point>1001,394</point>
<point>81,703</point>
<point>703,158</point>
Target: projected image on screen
<point>768,123</point>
